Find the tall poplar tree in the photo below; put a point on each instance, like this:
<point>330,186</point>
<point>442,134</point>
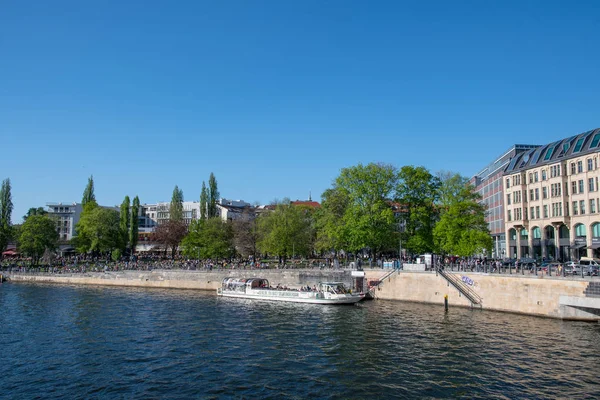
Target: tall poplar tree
<point>134,225</point>
<point>6,208</point>
<point>203,201</point>
<point>124,220</point>
<point>88,193</point>
<point>176,206</point>
<point>213,196</point>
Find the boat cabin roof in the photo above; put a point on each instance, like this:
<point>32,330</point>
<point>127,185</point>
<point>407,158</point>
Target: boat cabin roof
<point>251,282</point>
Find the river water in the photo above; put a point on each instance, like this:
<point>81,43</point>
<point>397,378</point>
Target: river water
<point>67,342</point>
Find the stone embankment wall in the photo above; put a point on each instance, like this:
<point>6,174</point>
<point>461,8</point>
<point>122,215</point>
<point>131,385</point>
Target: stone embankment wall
<point>203,280</point>
<point>542,296</point>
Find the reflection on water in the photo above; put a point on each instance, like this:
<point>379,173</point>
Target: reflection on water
<point>103,342</point>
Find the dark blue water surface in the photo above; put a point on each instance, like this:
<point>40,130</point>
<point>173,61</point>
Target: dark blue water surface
<point>65,342</point>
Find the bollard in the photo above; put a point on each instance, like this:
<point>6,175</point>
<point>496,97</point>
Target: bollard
<point>446,303</point>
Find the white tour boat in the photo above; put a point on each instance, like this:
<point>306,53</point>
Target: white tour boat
<point>259,289</point>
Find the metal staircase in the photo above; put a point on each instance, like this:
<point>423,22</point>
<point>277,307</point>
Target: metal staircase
<point>462,287</point>
<point>371,290</point>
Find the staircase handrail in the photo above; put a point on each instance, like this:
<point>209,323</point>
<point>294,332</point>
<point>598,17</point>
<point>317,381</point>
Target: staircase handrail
<point>460,286</point>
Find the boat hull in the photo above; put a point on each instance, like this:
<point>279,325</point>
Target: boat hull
<point>295,297</point>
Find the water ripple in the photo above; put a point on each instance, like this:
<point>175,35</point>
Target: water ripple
<point>122,343</point>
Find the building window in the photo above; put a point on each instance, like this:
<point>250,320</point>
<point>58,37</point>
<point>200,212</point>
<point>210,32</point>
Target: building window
<point>545,211</point>
<point>531,195</point>
<point>580,230</point>
<point>530,177</point>
<point>590,164</point>
<point>575,208</point>
<point>581,186</point>
<point>535,176</point>
<point>544,193</point>
<point>531,212</point>
<point>573,187</point>
<point>509,215</point>
<point>543,174</point>
<point>508,199</point>
<point>590,184</point>
<point>518,215</point>
<point>582,207</point>
<point>579,166</point>
<point>507,183</point>
<point>573,168</point>
<point>592,206</point>
<point>566,209</point>
<point>537,212</point>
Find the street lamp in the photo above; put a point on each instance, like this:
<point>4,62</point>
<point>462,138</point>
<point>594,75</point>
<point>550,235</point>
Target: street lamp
<point>401,228</point>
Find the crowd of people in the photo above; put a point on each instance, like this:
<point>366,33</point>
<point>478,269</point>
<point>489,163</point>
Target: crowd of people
<point>88,263</point>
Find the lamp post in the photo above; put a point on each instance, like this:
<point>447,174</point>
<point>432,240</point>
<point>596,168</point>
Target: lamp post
<point>401,227</point>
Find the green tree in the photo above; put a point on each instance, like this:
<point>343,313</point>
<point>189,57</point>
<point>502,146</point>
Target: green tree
<point>6,208</point>
<point>285,231</point>
<point>124,222</point>
<point>330,222</point>
<point>36,235</point>
<point>417,191</point>
<point>34,211</point>
<point>451,186</point>
<point>462,229</point>
<point>203,201</point>
<point>368,218</point>
<point>213,196</point>
<point>98,230</point>
<point>88,193</point>
<point>134,225</point>
<point>210,238</point>
<point>176,205</point>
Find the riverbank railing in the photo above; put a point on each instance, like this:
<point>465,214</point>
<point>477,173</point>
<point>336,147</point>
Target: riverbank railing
<point>461,286</point>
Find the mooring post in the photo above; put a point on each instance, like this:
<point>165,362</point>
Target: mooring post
<point>446,302</point>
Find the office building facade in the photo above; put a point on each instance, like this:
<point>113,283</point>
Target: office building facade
<point>552,200</point>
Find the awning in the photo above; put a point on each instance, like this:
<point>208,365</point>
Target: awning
<point>578,246</point>
<point>10,253</point>
<point>594,246</point>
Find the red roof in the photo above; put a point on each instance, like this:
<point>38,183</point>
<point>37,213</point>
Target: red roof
<point>313,204</point>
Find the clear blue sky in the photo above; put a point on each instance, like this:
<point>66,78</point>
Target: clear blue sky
<point>275,97</point>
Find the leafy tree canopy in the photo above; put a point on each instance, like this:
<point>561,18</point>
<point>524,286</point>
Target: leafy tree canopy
<point>36,235</point>
<point>6,208</point>
<point>88,193</point>
<point>210,238</point>
<point>286,231</point>
<point>418,191</point>
<point>134,225</point>
<point>176,206</point>
<point>98,230</point>
<point>365,192</point>
<point>34,211</point>
<point>462,229</point>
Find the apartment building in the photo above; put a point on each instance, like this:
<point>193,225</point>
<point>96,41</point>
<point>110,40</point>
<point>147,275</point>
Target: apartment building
<point>67,216</point>
<point>552,200</point>
<point>228,210</point>
<point>488,183</point>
